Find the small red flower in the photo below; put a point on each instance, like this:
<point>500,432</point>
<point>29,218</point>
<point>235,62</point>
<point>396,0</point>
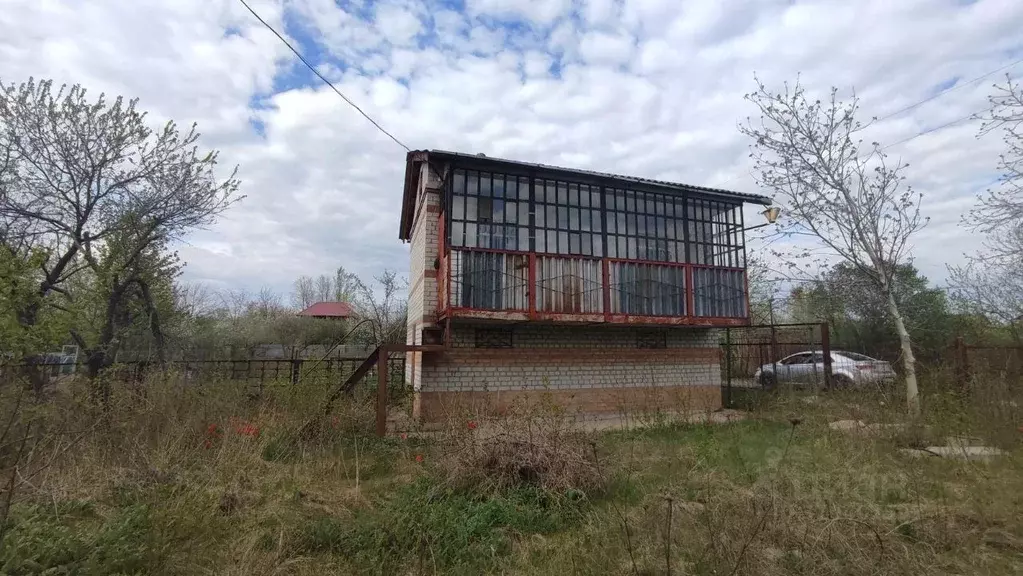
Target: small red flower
<point>419,458</point>
<point>472,424</point>
<point>208,443</point>
<point>404,436</point>
<point>212,430</point>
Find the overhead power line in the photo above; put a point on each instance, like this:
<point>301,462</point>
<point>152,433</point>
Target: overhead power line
<point>320,76</point>
<point>952,88</point>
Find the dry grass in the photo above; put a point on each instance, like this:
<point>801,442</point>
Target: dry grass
<point>143,487</point>
<point>530,446</point>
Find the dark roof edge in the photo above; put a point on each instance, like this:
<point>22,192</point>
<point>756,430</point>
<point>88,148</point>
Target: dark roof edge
<point>750,198</point>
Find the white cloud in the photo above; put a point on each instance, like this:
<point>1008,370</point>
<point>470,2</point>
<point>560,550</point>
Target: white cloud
<point>397,24</point>
<point>646,87</point>
<point>604,48</point>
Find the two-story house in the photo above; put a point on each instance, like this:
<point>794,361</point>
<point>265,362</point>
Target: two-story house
<point>602,292</point>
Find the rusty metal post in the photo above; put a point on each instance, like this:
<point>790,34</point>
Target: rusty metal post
<point>728,368</point>
<point>826,352</point>
<point>382,391</point>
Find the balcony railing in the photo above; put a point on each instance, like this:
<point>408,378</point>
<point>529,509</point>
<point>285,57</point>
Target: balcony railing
<point>523,286</point>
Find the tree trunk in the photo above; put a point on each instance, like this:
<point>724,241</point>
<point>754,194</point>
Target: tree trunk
<point>908,361</point>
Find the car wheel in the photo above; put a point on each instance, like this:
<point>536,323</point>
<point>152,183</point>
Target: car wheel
<point>841,381</point>
<point>768,381</point>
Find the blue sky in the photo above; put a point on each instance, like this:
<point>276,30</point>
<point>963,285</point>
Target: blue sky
<point>651,88</point>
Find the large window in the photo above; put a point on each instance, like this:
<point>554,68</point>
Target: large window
<point>567,218</point>
<point>519,213</point>
<point>715,233</point>
<point>489,211</point>
<point>645,226</point>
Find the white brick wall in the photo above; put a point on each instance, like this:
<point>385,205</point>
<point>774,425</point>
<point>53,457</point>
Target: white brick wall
<point>574,357</point>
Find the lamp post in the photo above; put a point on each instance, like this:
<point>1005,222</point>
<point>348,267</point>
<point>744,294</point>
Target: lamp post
<point>771,214</point>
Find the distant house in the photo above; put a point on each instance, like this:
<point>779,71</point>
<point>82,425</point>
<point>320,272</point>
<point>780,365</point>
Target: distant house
<point>329,310</point>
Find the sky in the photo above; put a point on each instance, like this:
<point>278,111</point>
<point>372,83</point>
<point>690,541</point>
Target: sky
<point>650,88</point>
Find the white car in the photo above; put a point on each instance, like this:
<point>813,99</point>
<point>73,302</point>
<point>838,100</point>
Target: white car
<point>847,369</point>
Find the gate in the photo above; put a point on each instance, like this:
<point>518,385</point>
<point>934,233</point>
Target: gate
<point>759,357</point>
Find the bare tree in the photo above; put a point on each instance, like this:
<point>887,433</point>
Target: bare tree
<point>992,283</point>
<point>807,152</point>
<point>999,212</point>
<point>346,285</point>
<point>386,309</point>
<point>304,294</point>
<point>85,173</point>
<point>267,304</point>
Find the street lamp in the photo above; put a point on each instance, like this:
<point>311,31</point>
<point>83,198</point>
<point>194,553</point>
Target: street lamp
<point>771,214</point>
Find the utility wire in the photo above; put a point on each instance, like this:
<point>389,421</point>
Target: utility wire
<point>328,82</point>
<point>936,128</point>
<point>947,90</point>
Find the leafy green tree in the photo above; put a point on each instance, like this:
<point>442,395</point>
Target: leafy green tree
<point>88,184</point>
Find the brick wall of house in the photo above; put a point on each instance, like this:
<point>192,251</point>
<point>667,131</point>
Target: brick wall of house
<point>422,296</point>
<point>584,368</point>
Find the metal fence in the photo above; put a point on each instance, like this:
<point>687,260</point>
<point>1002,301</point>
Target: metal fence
<point>259,372</point>
<point>758,357</point>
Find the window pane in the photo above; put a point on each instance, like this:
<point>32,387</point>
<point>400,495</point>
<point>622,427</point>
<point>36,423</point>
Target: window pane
<point>551,187</point>
<point>637,225</point>
<point>457,234</point>
<point>458,182</point>
<point>562,193</point>
<point>573,215</point>
<point>562,217</point>
<point>472,184</point>
<point>485,211</point>
<point>458,207</point>
<point>595,197</point>
<point>586,245</point>
<point>498,186</point>
<point>622,229</point>
<point>573,244</point>
<point>630,201</point>
<point>523,239</point>
<point>541,242</point>
<point>552,241</point>
<point>610,223</point>
<point>498,210</point>
<point>622,251</point>
<point>511,212</point>
<point>632,248</point>
<point>470,208</point>
<point>597,246</point>
<point>485,184</point>
<point>538,216</point>
<point>552,216</point>
<point>595,220</point>
<point>470,235</point>
<point>524,213</point>
<point>612,247</point>
<point>584,196</point>
<point>523,188</point>
<point>562,242</point>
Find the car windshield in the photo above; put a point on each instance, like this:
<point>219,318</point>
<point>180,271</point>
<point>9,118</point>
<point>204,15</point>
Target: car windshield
<point>857,357</point>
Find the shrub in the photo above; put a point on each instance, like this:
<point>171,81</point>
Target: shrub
<point>530,447</point>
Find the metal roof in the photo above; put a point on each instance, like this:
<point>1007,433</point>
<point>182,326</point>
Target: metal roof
<point>752,198</point>
<point>328,310</point>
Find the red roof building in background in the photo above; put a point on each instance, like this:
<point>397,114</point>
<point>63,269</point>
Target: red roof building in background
<point>338,310</point>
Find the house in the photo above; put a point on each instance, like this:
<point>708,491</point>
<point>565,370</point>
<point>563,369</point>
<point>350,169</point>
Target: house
<point>329,310</point>
<point>603,292</point>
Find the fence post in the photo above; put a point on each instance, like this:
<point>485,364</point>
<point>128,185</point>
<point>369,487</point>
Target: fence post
<point>826,352</point>
<point>382,392</point>
<point>728,368</point>
<point>296,370</point>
